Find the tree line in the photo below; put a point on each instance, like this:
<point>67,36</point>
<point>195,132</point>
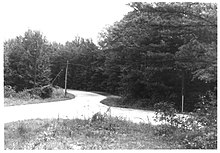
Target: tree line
<point>157,52</point>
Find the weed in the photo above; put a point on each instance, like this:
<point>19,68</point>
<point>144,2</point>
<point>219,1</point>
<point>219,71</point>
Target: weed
<point>22,130</point>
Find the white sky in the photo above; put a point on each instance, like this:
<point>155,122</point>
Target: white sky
<point>60,20</point>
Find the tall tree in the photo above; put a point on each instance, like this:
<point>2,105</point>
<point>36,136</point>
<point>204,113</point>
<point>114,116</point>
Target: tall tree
<point>149,42</point>
<point>85,64</point>
<point>28,60</point>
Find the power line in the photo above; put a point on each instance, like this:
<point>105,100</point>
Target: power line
<point>57,76</point>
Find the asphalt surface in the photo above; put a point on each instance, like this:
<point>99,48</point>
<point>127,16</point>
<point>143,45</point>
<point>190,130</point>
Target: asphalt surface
<point>83,106</point>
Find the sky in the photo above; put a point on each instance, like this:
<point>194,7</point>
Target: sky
<point>60,20</point>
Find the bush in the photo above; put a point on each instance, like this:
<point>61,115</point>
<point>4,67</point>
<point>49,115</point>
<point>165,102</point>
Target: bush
<point>97,117</point>
<point>103,121</point>
<point>24,95</point>
<point>205,135</point>
<point>197,131</point>
<point>166,112</point>
<point>36,93</point>
<point>58,93</point>
<point>9,91</point>
<point>42,92</point>
<point>46,92</point>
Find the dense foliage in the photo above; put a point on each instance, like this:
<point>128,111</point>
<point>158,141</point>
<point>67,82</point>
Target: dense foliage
<point>162,50</point>
<point>26,61</point>
<point>157,52</point>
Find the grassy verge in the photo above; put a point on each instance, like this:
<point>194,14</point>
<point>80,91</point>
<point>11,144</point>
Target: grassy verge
<point>102,93</point>
<point>116,101</point>
<point>22,98</point>
<point>17,101</point>
<point>110,133</point>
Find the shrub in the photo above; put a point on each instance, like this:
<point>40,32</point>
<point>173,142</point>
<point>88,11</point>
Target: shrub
<point>35,92</point>
<point>99,120</point>
<point>166,112</point>
<point>58,93</point>
<point>24,95</point>
<point>42,92</point>
<point>197,131</point>
<point>205,135</point>
<point>97,117</point>
<point>46,92</point>
<point>9,91</point>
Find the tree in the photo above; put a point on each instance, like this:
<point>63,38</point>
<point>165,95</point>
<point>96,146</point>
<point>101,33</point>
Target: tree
<point>85,64</point>
<point>148,42</point>
<point>27,60</point>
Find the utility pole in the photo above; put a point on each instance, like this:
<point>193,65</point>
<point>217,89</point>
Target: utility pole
<point>35,72</point>
<point>182,90</point>
<point>66,77</point>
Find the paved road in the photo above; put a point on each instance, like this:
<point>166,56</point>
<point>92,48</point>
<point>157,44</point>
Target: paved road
<point>84,106</point>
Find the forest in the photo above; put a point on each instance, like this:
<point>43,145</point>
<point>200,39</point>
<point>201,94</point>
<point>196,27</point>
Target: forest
<point>159,52</point>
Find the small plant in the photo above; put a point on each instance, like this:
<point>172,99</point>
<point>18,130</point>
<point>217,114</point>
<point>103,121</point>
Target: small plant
<point>22,130</point>
<point>97,117</point>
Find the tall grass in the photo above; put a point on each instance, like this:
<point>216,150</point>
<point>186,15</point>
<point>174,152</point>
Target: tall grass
<point>102,132</point>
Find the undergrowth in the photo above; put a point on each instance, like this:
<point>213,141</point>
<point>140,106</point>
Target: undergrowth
<point>197,130</point>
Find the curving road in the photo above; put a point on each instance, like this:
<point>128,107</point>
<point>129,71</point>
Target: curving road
<point>84,106</point>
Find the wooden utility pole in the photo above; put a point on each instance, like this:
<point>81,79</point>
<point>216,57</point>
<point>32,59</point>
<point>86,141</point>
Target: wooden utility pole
<point>66,77</point>
<point>35,72</point>
<point>182,93</point>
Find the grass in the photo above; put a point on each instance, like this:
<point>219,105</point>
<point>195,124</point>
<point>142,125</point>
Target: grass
<point>18,101</point>
<point>23,98</point>
<point>110,133</point>
<point>102,93</point>
<point>116,101</point>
